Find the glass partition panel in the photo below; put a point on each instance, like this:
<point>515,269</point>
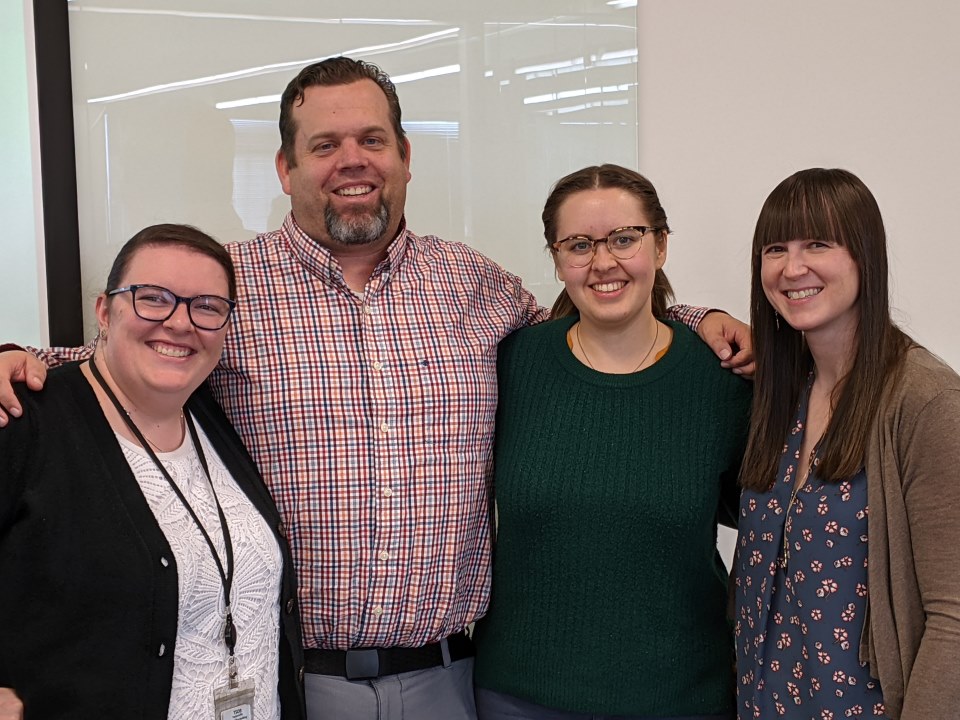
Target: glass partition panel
<point>176,108</point>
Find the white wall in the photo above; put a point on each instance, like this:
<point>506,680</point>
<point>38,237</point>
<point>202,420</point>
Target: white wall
<point>736,96</point>
<point>23,308</point>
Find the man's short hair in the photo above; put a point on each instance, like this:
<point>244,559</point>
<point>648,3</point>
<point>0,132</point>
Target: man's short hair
<point>334,71</point>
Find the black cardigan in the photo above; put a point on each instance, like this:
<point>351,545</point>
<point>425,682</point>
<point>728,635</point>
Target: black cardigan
<point>88,583</point>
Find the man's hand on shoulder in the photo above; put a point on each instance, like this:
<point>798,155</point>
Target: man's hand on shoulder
<point>730,339</point>
<point>17,366</point>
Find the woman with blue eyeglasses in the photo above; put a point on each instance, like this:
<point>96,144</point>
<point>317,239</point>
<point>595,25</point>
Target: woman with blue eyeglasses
<point>144,572</point>
<point>618,442</point>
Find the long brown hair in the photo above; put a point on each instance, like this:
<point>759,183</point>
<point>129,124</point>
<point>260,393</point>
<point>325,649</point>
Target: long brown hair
<point>829,205</point>
<point>601,177</point>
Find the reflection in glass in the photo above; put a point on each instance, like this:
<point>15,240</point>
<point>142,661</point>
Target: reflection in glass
<point>176,113</point>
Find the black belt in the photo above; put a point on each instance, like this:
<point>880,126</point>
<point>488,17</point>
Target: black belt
<point>366,663</point>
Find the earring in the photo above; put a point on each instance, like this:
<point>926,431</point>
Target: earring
<point>103,334</point>
<point>776,318</point>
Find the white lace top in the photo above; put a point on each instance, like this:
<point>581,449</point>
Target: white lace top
<point>200,655</point>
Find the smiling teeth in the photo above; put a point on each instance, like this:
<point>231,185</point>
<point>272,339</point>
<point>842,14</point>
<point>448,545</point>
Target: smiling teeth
<point>800,294</point>
<point>171,352</point>
<point>358,190</point>
<point>608,287</point>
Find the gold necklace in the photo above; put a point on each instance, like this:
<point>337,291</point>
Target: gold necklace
<point>811,461</point>
<point>642,361</point>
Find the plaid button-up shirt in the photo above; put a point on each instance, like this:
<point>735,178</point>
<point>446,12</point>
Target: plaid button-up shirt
<point>371,418</point>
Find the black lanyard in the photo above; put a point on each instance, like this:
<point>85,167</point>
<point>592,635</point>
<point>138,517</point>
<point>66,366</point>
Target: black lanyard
<point>226,578</point>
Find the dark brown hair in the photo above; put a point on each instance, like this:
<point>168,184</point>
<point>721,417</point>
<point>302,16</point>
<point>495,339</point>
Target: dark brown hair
<point>167,235</point>
<point>830,205</point>
<point>601,177</point>
<point>334,71</point>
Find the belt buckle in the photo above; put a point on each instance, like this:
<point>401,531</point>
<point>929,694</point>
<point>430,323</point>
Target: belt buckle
<point>362,664</point>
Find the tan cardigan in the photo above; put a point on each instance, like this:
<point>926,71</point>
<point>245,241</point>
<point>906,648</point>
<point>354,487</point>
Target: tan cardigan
<point>912,632</point>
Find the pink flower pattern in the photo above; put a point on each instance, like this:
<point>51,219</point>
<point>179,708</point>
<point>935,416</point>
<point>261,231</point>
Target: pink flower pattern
<point>799,618</point>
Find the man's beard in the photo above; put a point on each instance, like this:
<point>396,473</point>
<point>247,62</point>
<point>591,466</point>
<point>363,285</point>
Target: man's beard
<point>359,230</point>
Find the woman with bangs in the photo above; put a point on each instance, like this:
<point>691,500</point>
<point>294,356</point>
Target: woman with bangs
<point>848,558</point>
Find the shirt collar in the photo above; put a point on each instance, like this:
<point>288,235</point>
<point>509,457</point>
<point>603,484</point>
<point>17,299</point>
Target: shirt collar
<point>318,261</point>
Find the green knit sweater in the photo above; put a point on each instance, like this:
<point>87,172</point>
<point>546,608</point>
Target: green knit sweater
<point>609,596</point>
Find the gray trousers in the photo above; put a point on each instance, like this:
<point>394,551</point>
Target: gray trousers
<point>440,693</point>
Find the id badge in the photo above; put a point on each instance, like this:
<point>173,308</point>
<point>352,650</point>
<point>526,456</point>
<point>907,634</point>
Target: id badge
<point>234,703</point>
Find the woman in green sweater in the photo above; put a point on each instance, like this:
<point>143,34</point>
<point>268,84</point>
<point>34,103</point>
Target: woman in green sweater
<point>619,439</point>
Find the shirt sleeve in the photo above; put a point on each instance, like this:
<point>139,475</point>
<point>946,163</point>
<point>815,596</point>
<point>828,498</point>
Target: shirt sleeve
<point>689,315</point>
<point>530,311</point>
<point>55,356</point>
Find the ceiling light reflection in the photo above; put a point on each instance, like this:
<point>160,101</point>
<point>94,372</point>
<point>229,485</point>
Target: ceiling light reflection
<point>255,18</point>
<point>244,102</point>
<point>423,74</point>
<point>628,53</point>
<point>274,67</point>
<point>567,94</point>
<point>589,106</point>
<point>579,64</point>
<point>575,62</point>
<point>441,128</point>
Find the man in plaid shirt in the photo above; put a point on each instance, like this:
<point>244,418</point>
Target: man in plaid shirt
<point>360,371</point>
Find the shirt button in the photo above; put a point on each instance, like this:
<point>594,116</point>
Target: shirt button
<point>378,611</point>
<point>384,427</point>
<point>367,310</point>
<point>161,650</point>
<point>388,492</point>
<point>164,562</point>
<point>384,555</point>
<point>378,365</point>
<point>289,606</point>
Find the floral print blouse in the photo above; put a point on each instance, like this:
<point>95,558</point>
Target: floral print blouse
<point>801,595</point>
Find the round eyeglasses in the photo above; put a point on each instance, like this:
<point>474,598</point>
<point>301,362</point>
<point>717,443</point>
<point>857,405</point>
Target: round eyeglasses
<point>623,243</point>
<point>156,304</point>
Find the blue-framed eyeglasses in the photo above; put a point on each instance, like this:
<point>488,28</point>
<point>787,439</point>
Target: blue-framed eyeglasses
<point>156,304</point>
